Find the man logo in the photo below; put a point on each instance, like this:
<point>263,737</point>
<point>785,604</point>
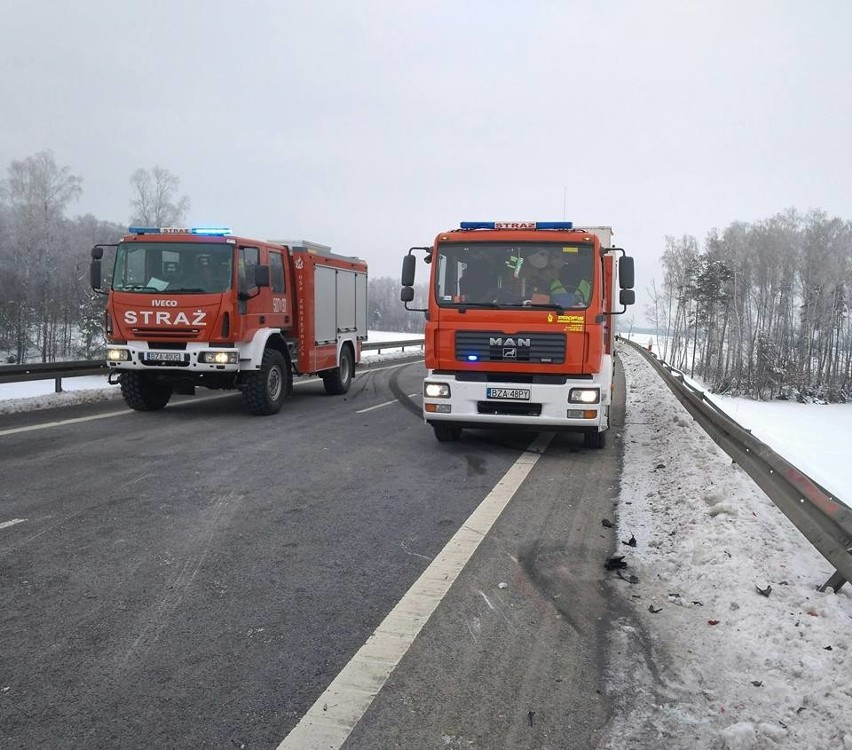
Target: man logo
<point>509,341</point>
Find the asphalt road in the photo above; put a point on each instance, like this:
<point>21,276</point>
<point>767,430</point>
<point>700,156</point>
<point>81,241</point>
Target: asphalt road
<point>195,578</point>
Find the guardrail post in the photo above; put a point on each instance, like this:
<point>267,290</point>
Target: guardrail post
<point>835,582</point>
<point>57,385</point>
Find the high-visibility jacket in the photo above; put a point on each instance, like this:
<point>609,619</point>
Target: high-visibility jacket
<point>556,287</point>
<point>584,289</point>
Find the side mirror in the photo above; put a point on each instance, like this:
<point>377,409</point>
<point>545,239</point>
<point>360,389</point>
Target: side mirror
<point>407,294</point>
<point>409,267</point>
<point>97,252</point>
<point>627,297</point>
<point>95,271</point>
<point>626,277</point>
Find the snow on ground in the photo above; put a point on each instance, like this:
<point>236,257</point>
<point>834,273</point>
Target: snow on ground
<point>703,660</point>
<point>706,660</point>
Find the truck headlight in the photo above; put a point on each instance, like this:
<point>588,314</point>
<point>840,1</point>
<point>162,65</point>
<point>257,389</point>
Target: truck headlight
<point>219,358</point>
<point>117,355</point>
<point>584,396</point>
<point>436,390</point>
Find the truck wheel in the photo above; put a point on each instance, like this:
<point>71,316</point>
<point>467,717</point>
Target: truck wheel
<point>142,394</point>
<point>264,391</point>
<point>446,433</point>
<point>338,380</point>
<point>595,439</point>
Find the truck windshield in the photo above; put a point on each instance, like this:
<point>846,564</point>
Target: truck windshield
<point>530,274</point>
<point>154,267</point>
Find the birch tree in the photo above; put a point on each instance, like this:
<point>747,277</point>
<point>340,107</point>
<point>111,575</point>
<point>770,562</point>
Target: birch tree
<point>37,192</point>
<point>155,201</point>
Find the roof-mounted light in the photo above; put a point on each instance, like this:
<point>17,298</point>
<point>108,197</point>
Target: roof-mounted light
<point>206,231</point>
<point>467,225</point>
<point>554,225</point>
<point>212,231</point>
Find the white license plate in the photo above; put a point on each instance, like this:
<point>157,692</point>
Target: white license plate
<point>510,394</point>
<point>164,356</point>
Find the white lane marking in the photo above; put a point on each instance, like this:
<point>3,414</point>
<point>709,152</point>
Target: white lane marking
<point>330,720</point>
<point>14,521</point>
<point>386,403</point>
<point>61,422</point>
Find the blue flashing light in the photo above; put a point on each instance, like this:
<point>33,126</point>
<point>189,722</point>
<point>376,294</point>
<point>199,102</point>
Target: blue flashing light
<point>212,231</point>
<point>144,230</point>
<point>472,358</point>
<point>477,225</point>
<point>554,225</point>
<point>517,225</point>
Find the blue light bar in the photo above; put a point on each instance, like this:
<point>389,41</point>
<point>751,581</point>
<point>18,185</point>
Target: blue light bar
<point>205,231</point>
<point>554,225</point>
<point>516,225</point>
<point>211,231</point>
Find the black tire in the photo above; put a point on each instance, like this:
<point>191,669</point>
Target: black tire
<point>264,391</point>
<point>338,380</point>
<point>445,432</point>
<point>143,394</point>
<point>595,439</point>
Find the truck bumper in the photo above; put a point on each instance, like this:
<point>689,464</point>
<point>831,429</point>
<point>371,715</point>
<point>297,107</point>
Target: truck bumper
<point>143,357</point>
<point>533,405</point>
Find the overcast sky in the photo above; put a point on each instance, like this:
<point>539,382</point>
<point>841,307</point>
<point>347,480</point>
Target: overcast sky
<point>373,126</point>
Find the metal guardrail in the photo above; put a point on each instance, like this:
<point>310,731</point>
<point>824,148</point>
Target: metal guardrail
<point>58,370</point>
<point>823,518</point>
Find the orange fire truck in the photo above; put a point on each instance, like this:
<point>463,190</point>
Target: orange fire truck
<point>519,326</point>
<point>199,307</point>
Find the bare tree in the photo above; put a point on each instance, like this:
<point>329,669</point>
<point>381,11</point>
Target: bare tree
<point>768,305</point>
<point>38,192</point>
<point>155,201</point>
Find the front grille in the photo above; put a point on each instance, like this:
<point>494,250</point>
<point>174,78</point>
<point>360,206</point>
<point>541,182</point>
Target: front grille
<point>524,378</point>
<point>509,408</point>
<point>162,333</point>
<point>163,363</point>
<point>494,346</point>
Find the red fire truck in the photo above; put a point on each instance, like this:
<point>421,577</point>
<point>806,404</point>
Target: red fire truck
<point>519,326</point>
<point>199,307</point>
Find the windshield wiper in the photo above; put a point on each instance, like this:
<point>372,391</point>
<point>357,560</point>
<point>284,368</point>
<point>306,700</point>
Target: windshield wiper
<point>136,288</point>
<point>536,305</point>
<point>467,305</point>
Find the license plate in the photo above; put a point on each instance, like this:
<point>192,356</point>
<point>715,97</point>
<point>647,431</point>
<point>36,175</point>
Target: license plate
<point>510,394</point>
<point>164,356</point>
